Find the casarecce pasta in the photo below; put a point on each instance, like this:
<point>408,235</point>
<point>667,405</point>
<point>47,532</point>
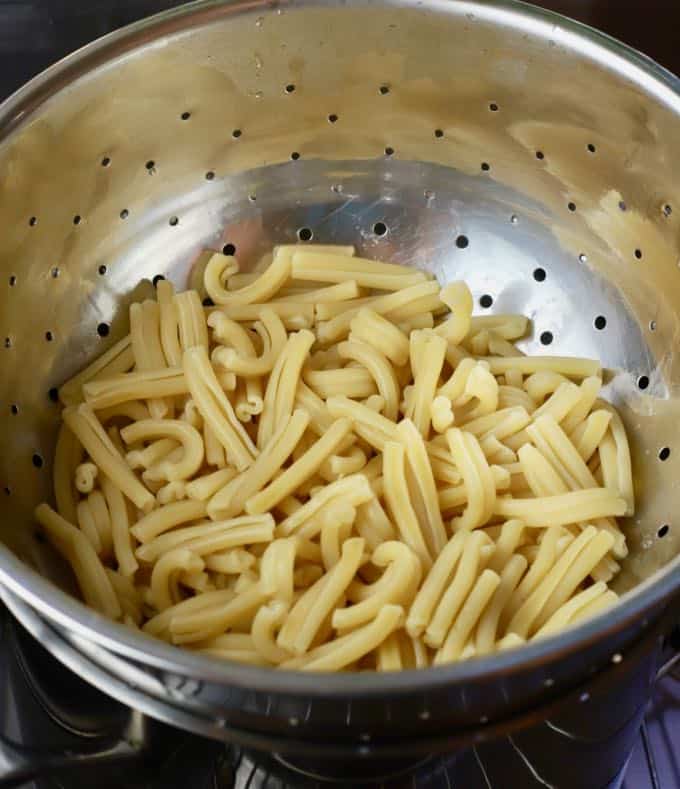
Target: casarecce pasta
<point>337,467</point>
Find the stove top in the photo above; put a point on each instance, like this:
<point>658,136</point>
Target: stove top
<point>57,732</point>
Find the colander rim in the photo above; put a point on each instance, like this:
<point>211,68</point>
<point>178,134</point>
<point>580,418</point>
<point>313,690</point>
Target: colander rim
<point>69,613</point>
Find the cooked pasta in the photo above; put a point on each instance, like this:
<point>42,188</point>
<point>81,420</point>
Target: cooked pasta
<point>337,467</point>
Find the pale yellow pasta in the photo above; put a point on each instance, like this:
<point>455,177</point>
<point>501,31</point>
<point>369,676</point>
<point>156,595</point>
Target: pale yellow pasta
<point>272,334</point>
<point>118,359</point>
<point>623,473</point>
<point>301,470</point>
<point>572,507</point>
<point>216,409</point>
<point>204,487</point>
<point>318,602</point>
<point>372,427</point>
<point>375,330</point>
<point>354,489</point>
<point>468,567</point>
<point>83,423</point>
<point>568,366</point>
<point>78,551</point>
<point>67,456</point>
<point>146,347</point>
<point>165,576</point>
<point>379,368</point>
<point>486,633</point>
<point>397,585</point>
<point>422,486</point>
<point>470,614</point>
<point>479,482</point>
<point>167,518</point>
<point>193,331</point>
<point>206,538</point>
<point>183,433</point>
<point>100,394</point>
<point>169,323</point>
<point>399,503</point>
<point>337,468</point>
<point>231,498</point>
<point>85,476</point>
<point>279,397</point>
<point>121,535</point>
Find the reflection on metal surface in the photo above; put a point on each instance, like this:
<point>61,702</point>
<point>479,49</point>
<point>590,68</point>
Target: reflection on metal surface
<point>590,212</point>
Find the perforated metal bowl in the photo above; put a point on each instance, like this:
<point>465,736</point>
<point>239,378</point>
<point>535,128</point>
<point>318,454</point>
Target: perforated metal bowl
<point>534,158</point>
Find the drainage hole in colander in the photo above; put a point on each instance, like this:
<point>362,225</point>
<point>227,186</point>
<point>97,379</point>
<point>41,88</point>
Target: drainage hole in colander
<point>514,219</point>
<point>462,242</point>
<point>583,258</point>
<point>8,342</point>
<point>7,491</point>
<point>53,394</point>
<point>622,205</point>
<point>77,219</point>
<point>14,409</point>
<point>208,302</point>
<point>600,322</point>
<point>439,133</point>
<point>150,166</point>
<point>380,228</point>
<point>290,88</point>
<point>591,147</point>
<point>664,453</point>
<point>102,269</point>
<point>37,460</point>
<point>638,254</point>
<point>539,274</point>
<point>384,90</point>
<point>210,175</point>
<point>485,301</point>
<point>173,221</point>
<point>49,336</point>
<point>236,133</point>
<point>12,280</point>
<point>493,107</point>
<point>33,221</point>
<point>295,156</point>
<point>305,234</point>
<point>185,116</point>
<point>571,206</point>
<point>124,214</point>
<point>252,198</point>
<point>540,155</point>
<point>663,530</point>
<point>103,329</point>
<point>106,161</point>
<point>667,210</point>
<point>55,272</point>
<point>486,167</point>
<point>652,326</point>
<point>546,338</point>
<point>157,278</point>
<point>332,118</point>
<point>643,382</point>
<point>229,249</point>
<point>389,151</point>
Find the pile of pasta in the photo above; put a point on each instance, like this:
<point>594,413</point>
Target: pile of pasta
<point>329,464</point>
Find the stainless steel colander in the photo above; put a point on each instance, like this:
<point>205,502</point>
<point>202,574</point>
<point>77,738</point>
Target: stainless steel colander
<point>485,141</point>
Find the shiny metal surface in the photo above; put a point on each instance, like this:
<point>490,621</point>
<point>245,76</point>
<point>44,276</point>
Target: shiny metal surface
<point>187,117</point>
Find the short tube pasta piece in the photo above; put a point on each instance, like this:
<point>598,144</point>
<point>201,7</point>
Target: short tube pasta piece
<point>182,432</point>
<point>216,409</point>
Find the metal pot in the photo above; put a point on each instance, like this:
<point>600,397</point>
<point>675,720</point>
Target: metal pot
<point>482,140</point>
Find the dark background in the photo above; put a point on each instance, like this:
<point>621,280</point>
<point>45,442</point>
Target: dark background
<point>35,33</point>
